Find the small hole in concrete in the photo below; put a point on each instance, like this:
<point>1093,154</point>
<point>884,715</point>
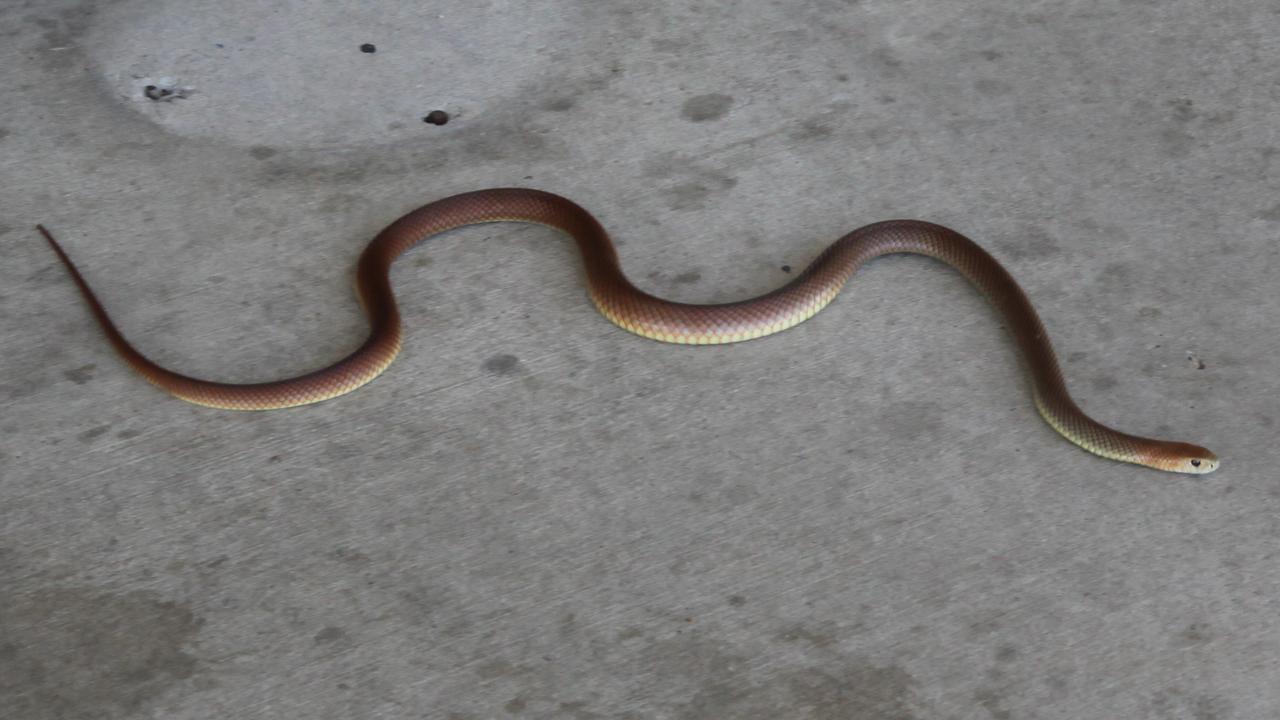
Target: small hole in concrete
<point>436,117</point>
<point>368,48</point>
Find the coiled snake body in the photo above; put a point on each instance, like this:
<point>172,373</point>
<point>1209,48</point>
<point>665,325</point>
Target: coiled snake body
<point>652,317</point>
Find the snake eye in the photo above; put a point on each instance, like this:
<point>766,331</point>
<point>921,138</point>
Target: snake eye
<point>1195,463</point>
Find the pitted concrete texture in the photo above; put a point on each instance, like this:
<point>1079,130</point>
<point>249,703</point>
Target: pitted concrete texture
<point>534,514</point>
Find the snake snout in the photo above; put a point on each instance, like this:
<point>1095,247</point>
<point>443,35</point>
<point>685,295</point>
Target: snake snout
<point>1194,459</point>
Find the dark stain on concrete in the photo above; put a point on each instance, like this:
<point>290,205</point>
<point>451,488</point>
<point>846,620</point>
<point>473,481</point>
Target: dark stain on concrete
<point>1103,383</point>
<point>326,170</point>
<point>330,635</point>
<point>1115,278</point>
<point>702,108</point>
<point>93,433</point>
<point>82,653</point>
<point>833,688</point>
<point>690,277</point>
<point>288,167</point>
<point>351,555</point>
<point>1272,214</point>
<point>630,634</point>
<point>502,364</point>
<point>18,391</point>
<point>577,710</point>
<point>563,103</point>
<point>815,637</point>
<point>1177,139</point>
<point>993,703</point>
<point>811,129</point>
<point>674,46</point>
<point>1176,703</point>
<point>1194,634</point>
<point>499,668</point>
<point>262,152</point>
<point>986,623</point>
<point>1182,109</point>
<point>852,689</point>
<point>1176,142</point>
<point>702,679</point>
<point>693,194</point>
<point>80,375</point>
<point>568,623</point>
<point>887,61</point>
<point>505,142</point>
<point>61,32</point>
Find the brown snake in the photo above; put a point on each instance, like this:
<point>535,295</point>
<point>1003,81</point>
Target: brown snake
<point>652,317</point>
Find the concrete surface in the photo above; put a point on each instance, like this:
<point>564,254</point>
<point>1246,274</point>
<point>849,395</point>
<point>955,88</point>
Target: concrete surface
<point>536,515</point>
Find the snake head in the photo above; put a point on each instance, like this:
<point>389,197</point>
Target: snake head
<point>1187,458</point>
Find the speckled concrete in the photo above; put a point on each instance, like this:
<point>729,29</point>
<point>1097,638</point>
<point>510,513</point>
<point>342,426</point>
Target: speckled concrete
<point>536,515</point>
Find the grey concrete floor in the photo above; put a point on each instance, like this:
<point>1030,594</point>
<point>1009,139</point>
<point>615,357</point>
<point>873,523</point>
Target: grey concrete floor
<point>534,514</point>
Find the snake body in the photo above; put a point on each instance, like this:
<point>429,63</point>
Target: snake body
<point>653,317</point>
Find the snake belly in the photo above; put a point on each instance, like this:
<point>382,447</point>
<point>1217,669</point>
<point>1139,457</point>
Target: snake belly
<point>653,317</point>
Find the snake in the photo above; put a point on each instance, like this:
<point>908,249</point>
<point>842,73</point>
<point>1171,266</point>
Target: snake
<point>653,317</point>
